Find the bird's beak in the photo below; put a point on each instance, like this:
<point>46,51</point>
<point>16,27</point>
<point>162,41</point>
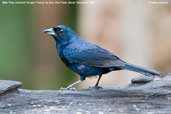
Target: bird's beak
<point>49,31</point>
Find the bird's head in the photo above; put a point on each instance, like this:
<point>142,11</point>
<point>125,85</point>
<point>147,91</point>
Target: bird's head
<point>61,33</point>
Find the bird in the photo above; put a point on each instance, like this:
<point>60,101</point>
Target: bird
<point>88,59</point>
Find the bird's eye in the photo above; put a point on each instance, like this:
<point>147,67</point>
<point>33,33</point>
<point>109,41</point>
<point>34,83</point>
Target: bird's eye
<point>61,31</point>
<point>58,30</point>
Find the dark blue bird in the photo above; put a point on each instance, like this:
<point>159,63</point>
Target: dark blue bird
<point>87,59</point>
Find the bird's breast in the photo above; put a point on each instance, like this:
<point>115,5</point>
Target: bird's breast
<point>61,55</point>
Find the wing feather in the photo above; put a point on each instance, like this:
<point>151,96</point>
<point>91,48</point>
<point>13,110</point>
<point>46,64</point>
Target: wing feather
<point>97,57</point>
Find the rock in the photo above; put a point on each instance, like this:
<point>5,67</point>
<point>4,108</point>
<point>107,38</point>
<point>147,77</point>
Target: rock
<point>6,86</point>
<point>149,98</point>
<point>142,79</point>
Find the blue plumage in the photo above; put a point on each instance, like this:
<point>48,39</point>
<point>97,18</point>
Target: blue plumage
<point>88,59</point>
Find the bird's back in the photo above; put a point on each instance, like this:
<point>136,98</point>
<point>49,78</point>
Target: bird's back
<point>82,52</point>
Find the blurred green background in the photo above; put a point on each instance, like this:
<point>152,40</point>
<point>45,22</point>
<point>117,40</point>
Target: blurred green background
<point>18,45</point>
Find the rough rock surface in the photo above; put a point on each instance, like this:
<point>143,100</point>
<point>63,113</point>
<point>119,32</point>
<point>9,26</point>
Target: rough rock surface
<point>6,85</point>
<point>149,98</point>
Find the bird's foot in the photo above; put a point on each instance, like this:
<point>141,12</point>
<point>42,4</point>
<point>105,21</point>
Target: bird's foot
<point>95,87</point>
<point>68,88</point>
<point>71,86</point>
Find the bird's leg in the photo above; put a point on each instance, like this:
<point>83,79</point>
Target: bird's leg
<point>73,84</point>
<point>97,83</point>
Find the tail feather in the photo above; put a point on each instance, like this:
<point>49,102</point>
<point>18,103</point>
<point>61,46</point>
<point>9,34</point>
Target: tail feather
<point>145,71</point>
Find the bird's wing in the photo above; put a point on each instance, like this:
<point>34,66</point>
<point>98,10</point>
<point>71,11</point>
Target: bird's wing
<point>97,57</point>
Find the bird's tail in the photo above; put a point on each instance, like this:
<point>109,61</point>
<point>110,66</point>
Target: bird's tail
<point>145,71</point>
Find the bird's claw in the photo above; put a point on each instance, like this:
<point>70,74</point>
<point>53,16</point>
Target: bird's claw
<point>68,88</point>
<point>95,87</point>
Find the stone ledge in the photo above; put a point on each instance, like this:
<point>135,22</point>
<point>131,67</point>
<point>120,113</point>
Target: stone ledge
<point>150,98</point>
<point>7,85</point>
